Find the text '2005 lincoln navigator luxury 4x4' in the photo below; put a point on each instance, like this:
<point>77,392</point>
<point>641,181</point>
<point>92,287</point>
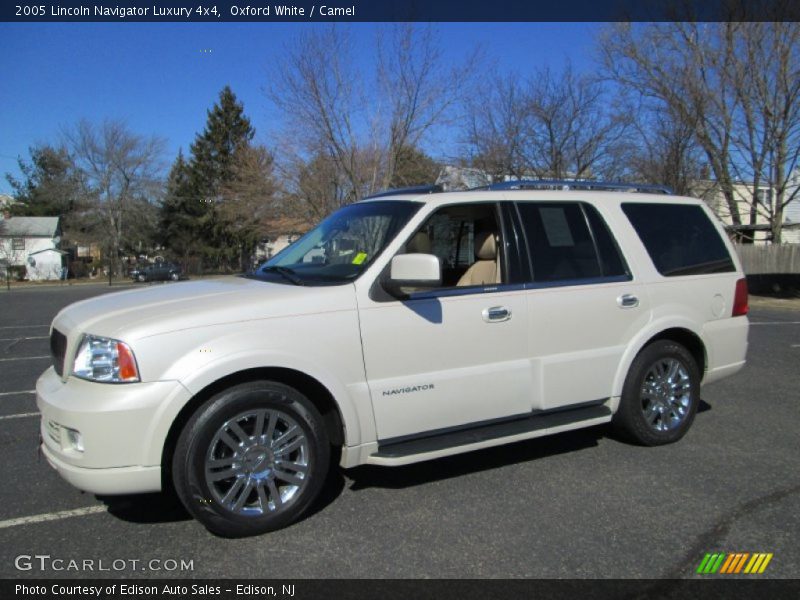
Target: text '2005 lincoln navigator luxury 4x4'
<point>402,328</point>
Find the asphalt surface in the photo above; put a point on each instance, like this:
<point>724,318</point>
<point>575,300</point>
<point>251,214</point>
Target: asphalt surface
<point>576,505</point>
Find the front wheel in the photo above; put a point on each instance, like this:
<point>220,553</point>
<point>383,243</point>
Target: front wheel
<point>174,276</point>
<point>141,277</point>
<point>252,459</point>
<point>660,396</point>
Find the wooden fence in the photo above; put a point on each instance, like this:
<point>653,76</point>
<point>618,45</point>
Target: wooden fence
<point>768,258</point>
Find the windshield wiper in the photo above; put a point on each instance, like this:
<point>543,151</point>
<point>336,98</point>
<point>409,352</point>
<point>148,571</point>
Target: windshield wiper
<point>286,272</point>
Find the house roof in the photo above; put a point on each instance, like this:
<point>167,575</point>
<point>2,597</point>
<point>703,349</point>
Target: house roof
<point>30,227</point>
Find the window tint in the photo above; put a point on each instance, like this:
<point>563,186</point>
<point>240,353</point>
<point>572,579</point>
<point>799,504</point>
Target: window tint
<point>611,261</point>
<point>680,239</point>
<point>561,243</point>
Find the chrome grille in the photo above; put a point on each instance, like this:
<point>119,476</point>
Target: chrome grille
<point>58,348</point>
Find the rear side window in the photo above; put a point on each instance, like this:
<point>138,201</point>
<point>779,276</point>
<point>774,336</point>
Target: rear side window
<point>569,241</point>
<point>680,238</point>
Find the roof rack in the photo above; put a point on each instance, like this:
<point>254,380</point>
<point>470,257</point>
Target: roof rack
<point>568,184</point>
<point>417,189</point>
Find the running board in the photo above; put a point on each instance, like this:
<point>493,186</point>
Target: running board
<point>479,434</point>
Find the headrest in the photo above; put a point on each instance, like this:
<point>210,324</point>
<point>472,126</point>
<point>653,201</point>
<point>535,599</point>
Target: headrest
<point>419,244</point>
<point>485,246</point>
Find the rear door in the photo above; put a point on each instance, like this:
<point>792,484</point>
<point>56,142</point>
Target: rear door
<point>584,305</point>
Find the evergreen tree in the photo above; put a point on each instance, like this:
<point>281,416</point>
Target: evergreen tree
<point>214,153</point>
<point>414,167</point>
<point>206,211</point>
<point>51,185</point>
<point>181,213</point>
<point>215,150</point>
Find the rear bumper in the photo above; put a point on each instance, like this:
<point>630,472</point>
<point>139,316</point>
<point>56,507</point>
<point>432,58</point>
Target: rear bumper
<point>726,345</point>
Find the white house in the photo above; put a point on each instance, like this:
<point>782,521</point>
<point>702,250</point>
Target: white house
<point>32,243</point>
<point>743,193</point>
<point>791,214</point>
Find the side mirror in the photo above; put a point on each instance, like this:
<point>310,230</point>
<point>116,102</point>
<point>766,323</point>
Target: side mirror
<point>413,270</point>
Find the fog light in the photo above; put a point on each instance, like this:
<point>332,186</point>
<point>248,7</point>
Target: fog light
<point>74,439</point>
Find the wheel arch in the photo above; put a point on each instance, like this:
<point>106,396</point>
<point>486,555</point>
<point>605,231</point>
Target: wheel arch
<point>682,333</point>
<point>309,386</point>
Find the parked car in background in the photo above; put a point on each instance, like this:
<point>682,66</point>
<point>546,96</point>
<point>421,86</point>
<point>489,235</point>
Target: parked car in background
<point>160,271</point>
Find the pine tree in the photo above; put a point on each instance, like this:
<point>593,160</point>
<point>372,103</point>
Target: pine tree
<point>212,206</point>
<point>51,185</point>
<point>181,213</point>
<point>215,153</point>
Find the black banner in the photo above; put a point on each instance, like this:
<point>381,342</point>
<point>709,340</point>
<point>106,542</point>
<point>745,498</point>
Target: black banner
<point>399,10</point>
<point>734,588</point>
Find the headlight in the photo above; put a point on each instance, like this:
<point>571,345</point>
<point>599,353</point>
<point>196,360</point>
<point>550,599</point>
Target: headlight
<point>103,359</point>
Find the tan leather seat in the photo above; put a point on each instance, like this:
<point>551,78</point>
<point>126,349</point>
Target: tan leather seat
<point>419,244</point>
<point>484,270</point>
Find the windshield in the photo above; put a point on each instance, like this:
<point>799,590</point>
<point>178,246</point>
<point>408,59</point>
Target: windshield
<point>342,246</point>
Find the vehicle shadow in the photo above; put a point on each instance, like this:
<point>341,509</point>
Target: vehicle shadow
<point>165,507</point>
<point>161,507</point>
<point>368,476</point>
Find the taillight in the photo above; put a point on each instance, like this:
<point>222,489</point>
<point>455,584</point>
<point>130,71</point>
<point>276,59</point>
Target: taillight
<point>740,305</point>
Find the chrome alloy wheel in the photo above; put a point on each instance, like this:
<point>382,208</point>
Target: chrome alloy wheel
<point>257,462</point>
<point>666,395</point>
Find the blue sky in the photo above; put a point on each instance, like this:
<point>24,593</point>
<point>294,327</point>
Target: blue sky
<point>161,78</point>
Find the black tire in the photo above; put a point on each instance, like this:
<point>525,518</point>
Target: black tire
<point>645,394</point>
<point>174,276</point>
<point>141,277</point>
<point>202,440</point>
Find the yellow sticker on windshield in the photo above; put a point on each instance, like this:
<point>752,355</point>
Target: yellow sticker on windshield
<point>359,258</point>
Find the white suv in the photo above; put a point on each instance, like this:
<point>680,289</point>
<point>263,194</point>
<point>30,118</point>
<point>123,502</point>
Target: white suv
<point>403,328</point>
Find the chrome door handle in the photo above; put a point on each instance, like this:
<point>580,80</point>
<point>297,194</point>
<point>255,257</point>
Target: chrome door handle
<point>628,301</point>
<point>496,314</point>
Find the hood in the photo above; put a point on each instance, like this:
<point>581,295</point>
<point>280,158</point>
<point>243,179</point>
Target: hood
<point>158,309</point>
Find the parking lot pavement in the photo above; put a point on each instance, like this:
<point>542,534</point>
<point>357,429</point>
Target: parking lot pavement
<point>580,504</point>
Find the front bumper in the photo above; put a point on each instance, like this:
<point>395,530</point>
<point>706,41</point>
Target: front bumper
<point>122,430</point>
<point>120,480</point>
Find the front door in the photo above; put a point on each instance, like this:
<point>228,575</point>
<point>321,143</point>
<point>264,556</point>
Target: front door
<point>454,356</point>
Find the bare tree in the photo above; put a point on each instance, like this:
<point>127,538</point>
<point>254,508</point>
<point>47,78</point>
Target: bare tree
<point>670,63</point>
<point>664,151</point>
<point>550,126</point>
<point>419,90</point>
<point>320,93</point>
<point>348,130</point>
<point>497,119</point>
<point>765,66</point>
<point>248,199</point>
<point>122,171</point>
<point>570,126</point>
<point>736,85</point>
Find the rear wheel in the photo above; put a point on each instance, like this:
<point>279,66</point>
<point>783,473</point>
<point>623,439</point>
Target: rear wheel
<point>252,459</point>
<point>660,396</point>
